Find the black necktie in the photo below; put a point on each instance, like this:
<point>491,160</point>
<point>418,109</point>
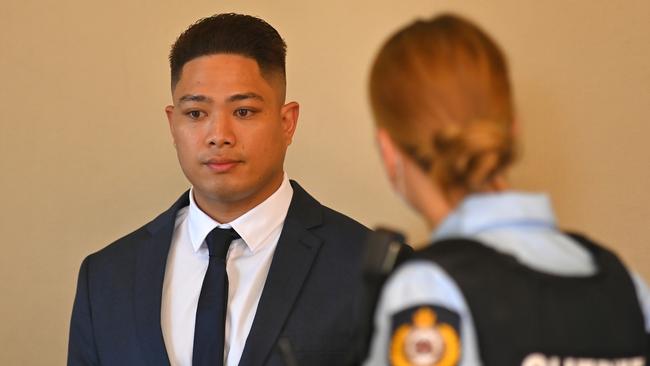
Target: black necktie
<point>210,326</point>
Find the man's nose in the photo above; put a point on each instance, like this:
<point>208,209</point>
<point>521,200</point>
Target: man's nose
<point>220,132</point>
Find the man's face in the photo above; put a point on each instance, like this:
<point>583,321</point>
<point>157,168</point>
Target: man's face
<point>231,130</point>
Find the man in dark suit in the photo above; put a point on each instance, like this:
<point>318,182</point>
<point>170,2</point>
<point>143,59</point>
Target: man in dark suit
<point>246,268</point>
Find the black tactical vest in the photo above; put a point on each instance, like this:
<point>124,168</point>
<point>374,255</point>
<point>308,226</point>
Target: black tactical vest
<point>525,317</point>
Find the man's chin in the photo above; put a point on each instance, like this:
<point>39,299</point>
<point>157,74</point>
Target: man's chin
<point>226,193</point>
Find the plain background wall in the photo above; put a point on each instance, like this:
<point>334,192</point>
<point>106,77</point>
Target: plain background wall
<point>86,156</point>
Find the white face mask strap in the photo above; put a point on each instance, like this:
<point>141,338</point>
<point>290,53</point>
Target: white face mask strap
<point>400,178</point>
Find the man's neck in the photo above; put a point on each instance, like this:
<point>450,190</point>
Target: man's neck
<point>225,211</point>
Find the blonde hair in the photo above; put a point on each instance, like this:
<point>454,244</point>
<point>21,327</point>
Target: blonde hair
<point>440,88</point>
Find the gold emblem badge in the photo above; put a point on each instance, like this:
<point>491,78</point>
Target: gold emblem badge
<point>424,343</point>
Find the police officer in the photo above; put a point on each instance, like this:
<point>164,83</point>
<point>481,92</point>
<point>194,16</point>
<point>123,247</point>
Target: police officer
<point>500,284</point>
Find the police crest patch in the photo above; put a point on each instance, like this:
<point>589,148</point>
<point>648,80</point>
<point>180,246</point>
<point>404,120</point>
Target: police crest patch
<point>425,335</point>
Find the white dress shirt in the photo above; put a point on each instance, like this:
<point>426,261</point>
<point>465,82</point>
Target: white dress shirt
<point>247,263</point>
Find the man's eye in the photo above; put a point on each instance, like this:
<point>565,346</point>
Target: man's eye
<point>194,114</point>
<point>243,112</point>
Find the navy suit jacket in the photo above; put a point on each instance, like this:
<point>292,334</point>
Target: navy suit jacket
<point>309,301</point>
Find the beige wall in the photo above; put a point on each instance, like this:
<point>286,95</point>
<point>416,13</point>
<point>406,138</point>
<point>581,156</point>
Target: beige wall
<point>86,156</point>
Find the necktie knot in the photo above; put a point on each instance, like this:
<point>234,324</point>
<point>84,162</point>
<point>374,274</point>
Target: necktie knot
<point>218,241</point>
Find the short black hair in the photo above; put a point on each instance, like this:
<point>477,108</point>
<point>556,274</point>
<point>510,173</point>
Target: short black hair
<point>230,33</point>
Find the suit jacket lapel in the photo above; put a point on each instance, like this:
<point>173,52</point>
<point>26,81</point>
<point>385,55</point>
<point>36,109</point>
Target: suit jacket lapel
<point>151,261</point>
<point>296,250</point>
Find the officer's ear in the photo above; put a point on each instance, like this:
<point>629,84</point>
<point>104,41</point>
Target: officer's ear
<point>390,153</point>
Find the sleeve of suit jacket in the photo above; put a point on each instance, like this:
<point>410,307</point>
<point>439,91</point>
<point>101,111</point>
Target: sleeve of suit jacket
<point>81,346</point>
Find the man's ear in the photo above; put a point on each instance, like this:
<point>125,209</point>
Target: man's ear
<point>169,111</point>
<point>389,153</point>
<point>289,114</point>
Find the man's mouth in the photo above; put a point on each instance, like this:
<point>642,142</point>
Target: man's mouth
<point>221,165</point>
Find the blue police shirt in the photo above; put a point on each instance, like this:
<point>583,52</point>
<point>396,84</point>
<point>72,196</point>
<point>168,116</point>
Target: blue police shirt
<point>519,224</point>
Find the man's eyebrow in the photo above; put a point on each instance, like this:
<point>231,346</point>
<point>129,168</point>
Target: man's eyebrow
<point>244,96</point>
<point>195,98</point>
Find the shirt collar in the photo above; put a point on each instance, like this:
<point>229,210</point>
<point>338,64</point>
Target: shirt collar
<point>482,212</point>
<point>254,226</point>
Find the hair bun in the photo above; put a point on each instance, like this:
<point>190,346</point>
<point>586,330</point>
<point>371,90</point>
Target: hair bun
<point>470,156</point>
